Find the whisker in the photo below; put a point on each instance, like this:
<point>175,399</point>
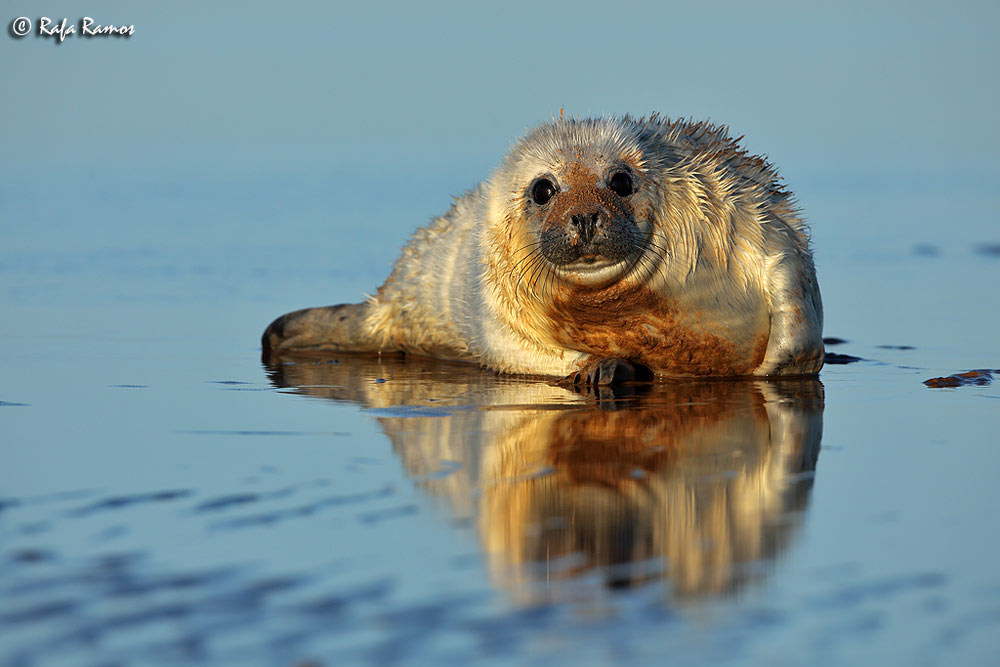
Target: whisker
<point>530,271</point>
<point>533,253</point>
<point>543,273</point>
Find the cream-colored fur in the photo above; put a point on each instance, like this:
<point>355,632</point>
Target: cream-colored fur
<point>724,261</point>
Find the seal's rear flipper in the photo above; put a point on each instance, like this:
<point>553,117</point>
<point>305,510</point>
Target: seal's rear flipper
<point>333,328</point>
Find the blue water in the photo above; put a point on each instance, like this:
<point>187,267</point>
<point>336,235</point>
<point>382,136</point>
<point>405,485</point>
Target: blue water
<point>167,499</point>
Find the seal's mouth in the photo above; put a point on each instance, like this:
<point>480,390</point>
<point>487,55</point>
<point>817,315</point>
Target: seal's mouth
<point>591,263</point>
<point>596,270</point>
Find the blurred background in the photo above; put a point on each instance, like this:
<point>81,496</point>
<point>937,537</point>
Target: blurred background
<point>232,140</point>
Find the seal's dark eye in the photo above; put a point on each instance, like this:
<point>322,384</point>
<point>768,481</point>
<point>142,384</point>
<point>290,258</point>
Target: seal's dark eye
<point>542,191</point>
<point>621,183</point>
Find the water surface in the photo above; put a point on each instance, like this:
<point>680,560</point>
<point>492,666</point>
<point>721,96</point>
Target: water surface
<point>165,498</point>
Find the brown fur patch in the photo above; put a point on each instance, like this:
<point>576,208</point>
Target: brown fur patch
<point>634,323</point>
<point>584,191</point>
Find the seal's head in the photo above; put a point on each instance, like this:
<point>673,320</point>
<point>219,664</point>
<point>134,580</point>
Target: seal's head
<point>574,195</point>
<point>649,240</point>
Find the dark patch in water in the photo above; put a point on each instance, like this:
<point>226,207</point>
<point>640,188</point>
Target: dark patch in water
<point>338,603</point>
<point>228,382</point>
<point>413,624</point>
<point>975,378</point>
<point>31,555</point>
<point>114,597</point>
<point>832,358</point>
<point>238,499</point>
<point>988,249</point>
<point>226,502</point>
<point>254,593</point>
<point>11,404</point>
<point>833,340</point>
<point>120,502</point>
<point>852,596</point>
<point>130,586</point>
<point>926,250</point>
<point>159,612</point>
<point>502,636</point>
<point>8,503</point>
<point>895,347</point>
<point>267,518</point>
<point>58,497</point>
<point>39,612</point>
<point>390,513</point>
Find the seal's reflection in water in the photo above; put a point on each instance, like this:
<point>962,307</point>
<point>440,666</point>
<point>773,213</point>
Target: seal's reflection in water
<point>699,482</point>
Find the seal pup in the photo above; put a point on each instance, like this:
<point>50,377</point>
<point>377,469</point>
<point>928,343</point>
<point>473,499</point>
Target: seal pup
<point>598,249</point>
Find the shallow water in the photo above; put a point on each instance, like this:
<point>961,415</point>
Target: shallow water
<point>166,498</point>
<point>169,499</point>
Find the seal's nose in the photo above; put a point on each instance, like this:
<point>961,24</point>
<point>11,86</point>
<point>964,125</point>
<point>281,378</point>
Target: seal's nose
<point>585,225</point>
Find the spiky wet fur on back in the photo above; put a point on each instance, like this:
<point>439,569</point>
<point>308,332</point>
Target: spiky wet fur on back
<point>725,262</point>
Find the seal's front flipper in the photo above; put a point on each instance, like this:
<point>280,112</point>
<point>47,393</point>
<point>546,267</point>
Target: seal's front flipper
<point>607,372</point>
<point>334,328</point>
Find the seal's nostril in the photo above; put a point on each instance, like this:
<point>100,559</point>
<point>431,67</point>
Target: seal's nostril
<point>586,225</point>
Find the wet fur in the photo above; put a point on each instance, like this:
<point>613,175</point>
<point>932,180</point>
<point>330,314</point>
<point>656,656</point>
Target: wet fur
<point>718,280</point>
